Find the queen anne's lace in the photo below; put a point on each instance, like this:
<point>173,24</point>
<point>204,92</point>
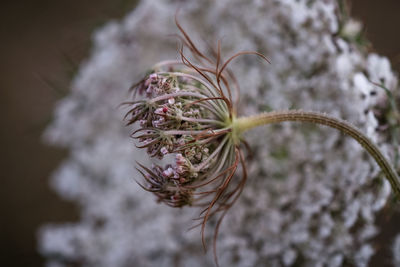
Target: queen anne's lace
<point>180,115</point>
<point>311,197</point>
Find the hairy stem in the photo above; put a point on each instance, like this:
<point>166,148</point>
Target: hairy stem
<point>243,124</point>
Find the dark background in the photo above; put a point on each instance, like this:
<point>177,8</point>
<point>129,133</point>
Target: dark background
<point>41,45</point>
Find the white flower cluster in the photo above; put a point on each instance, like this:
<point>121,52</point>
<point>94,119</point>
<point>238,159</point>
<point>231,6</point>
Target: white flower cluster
<point>313,194</point>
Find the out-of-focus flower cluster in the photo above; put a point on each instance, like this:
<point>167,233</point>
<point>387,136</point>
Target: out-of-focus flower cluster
<point>312,196</point>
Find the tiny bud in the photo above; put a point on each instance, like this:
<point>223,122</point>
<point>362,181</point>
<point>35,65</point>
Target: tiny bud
<point>198,156</point>
<point>153,77</point>
<point>179,159</point>
<point>168,172</point>
<point>180,169</point>
<point>181,142</point>
<point>164,150</point>
<point>159,111</point>
<point>171,101</point>
<point>165,109</point>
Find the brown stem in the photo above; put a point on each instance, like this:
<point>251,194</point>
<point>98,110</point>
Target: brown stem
<point>246,123</point>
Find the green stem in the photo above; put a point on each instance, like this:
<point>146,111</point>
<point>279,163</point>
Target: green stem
<point>243,124</point>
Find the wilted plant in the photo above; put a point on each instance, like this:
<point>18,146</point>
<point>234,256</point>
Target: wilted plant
<point>189,109</point>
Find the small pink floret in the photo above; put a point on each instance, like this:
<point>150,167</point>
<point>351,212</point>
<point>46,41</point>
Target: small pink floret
<point>168,172</point>
<point>164,150</point>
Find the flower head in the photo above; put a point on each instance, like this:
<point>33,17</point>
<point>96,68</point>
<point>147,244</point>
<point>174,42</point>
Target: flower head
<point>188,110</point>
<point>183,115</point>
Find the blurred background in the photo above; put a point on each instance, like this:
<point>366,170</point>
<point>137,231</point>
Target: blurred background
<point>42,44</point>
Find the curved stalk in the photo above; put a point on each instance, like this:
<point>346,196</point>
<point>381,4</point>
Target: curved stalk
<point>243,124</point>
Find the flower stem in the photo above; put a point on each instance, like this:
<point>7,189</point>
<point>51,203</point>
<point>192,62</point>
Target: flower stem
<point>243,124</point>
